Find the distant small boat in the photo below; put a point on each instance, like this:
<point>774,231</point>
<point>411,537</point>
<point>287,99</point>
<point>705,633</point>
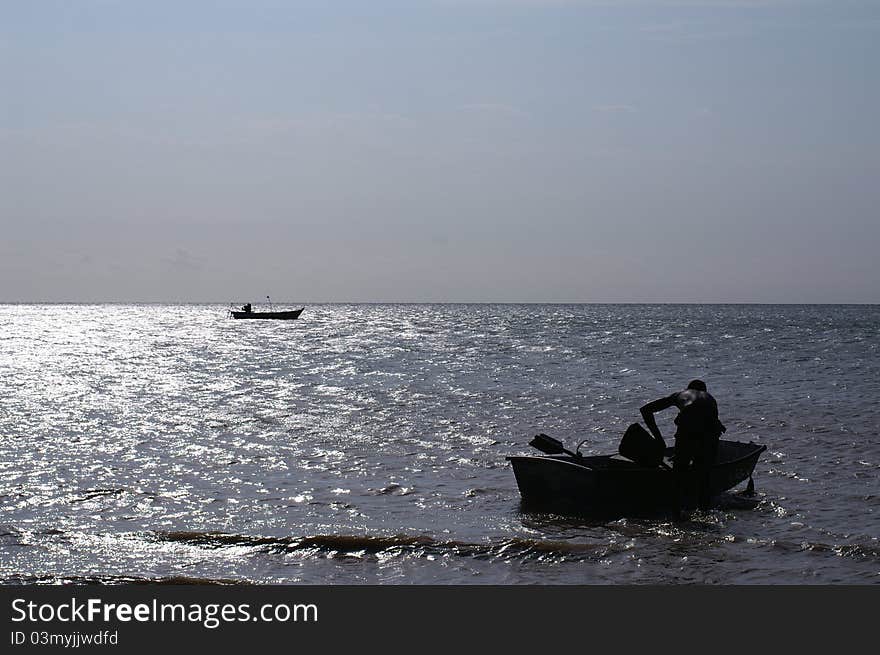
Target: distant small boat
<point>587,484</point>
<point>284,316</point>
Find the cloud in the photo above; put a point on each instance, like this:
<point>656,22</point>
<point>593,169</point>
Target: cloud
<point>495,108</point>
<point>630,3</point>
<point>183,260</point>
<point>615,109</point>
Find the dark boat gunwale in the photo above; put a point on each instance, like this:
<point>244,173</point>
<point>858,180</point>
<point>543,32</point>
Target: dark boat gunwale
<point>627,465</point>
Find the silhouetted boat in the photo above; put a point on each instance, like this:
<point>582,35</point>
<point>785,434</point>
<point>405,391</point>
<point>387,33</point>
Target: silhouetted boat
<point>285,315</point>
<point>599,483</point>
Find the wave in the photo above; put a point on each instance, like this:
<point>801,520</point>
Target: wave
<point>115,580</point>
<point>850,551</point>
<point>511,548</point>
<point>357,545</point>
<point>89,494</point>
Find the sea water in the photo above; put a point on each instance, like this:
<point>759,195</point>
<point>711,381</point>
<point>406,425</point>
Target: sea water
<point>366,443</point>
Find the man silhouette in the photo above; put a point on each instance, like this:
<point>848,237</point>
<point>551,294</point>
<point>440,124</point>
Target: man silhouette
<point>696,439</point>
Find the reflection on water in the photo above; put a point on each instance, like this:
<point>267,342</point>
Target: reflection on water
<point>367,443</point>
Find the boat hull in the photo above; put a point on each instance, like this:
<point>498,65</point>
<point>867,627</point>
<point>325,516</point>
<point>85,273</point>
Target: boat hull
<point>608,483</point>
<point>284,316</point>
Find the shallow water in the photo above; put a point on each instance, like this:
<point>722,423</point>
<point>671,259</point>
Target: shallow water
<point>367,443</point>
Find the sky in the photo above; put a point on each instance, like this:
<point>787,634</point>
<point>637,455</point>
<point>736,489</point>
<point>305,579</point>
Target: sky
<point>440,151</point>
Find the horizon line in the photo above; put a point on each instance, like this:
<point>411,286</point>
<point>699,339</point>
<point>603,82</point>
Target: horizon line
<point>432,302</point>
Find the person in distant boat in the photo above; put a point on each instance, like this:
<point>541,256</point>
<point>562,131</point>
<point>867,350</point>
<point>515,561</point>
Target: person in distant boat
<point>696,439</point>
<point>246,308</point>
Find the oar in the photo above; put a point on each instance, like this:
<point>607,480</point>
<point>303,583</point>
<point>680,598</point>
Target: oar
<point>550,446</point>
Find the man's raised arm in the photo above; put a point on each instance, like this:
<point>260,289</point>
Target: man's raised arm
<point>648,414</point>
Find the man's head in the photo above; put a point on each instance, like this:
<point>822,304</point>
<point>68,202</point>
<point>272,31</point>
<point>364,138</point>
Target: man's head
<point>697,385</point>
